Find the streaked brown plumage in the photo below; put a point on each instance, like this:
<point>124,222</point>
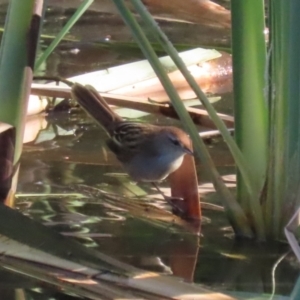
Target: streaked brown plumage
<point>147,152</point>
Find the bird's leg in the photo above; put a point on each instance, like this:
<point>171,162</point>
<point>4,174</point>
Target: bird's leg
<point>175,208</point>
<point>158,189</point>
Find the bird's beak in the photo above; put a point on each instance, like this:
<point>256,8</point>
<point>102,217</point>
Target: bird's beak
<point>188,151</point>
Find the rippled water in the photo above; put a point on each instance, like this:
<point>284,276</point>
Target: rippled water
<point>74,186</point>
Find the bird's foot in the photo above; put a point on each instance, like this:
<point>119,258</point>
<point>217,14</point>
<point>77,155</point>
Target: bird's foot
<point>177,205</point>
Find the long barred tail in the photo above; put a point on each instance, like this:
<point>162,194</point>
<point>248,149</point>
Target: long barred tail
<point>95,106</point>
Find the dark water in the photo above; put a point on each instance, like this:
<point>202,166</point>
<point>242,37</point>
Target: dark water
<point>70,182</point>
<point>62,183</point>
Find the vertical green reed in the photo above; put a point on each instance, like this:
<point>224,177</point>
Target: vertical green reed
<point>292,199</point>
<point>284,96</point>
<point>250,105</point>
<point>278,102</point>
<point>14,55</point>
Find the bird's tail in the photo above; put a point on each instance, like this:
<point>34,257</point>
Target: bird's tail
<point>95,106</point>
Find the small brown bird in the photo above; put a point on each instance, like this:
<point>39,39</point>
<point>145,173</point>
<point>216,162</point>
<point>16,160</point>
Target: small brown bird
<point>147,152</point>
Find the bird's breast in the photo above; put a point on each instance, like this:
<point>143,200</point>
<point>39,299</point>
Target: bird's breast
<point>152,169</point>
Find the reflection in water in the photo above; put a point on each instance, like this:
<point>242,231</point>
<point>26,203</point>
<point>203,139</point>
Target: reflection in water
<point>211,13</point>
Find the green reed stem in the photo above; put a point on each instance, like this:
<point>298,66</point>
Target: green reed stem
<point>16,58</point>
<point>233,209</point>
<point>250,103</point>
<point>79,12</point>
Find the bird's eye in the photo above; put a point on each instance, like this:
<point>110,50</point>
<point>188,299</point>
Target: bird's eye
<point>175,142</point>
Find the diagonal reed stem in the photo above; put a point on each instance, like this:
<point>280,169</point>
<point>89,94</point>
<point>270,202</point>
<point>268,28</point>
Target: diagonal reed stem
<point>235,214</point>
<point>250,182</point>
